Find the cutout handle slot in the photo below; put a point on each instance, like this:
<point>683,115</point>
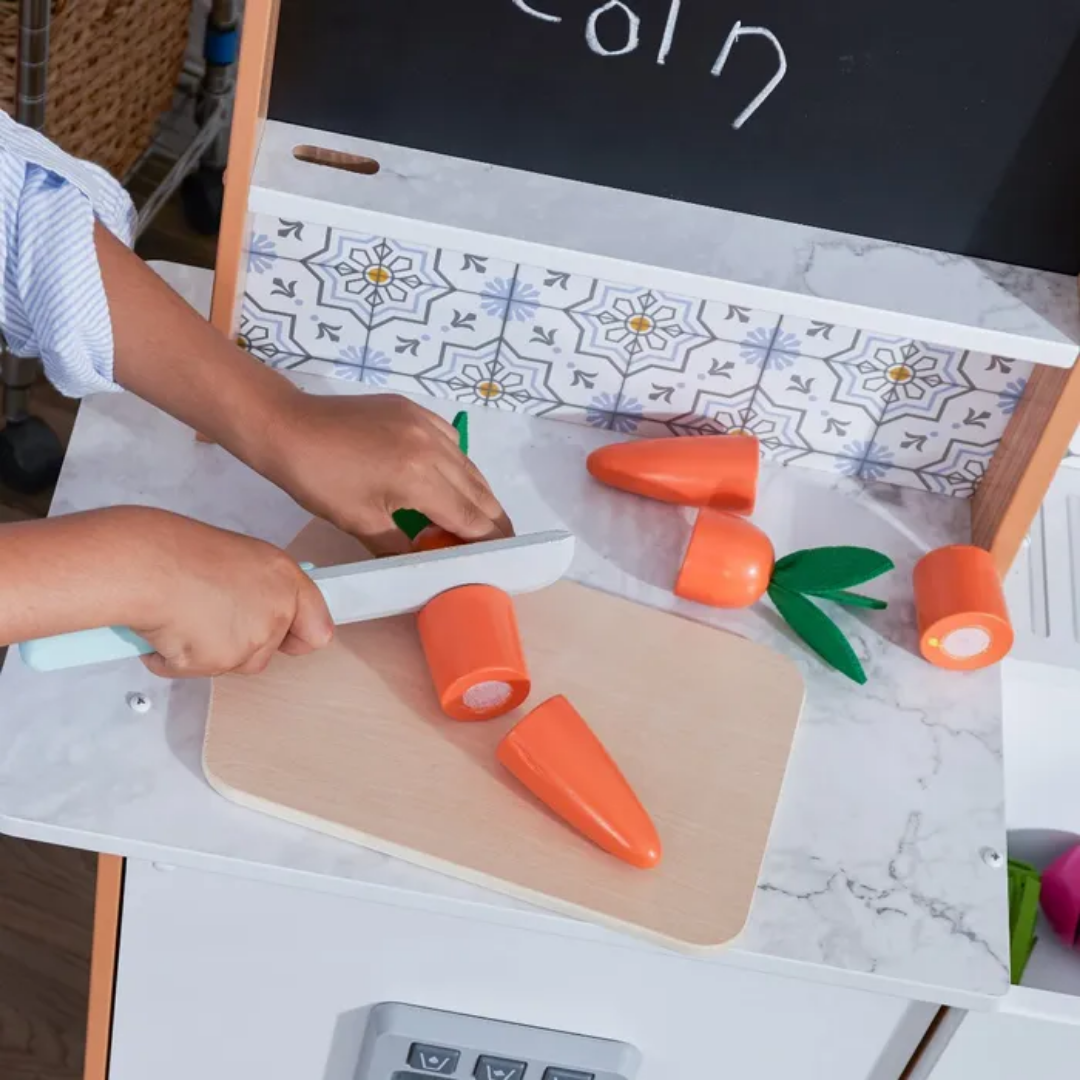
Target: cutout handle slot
<point>336,159</point>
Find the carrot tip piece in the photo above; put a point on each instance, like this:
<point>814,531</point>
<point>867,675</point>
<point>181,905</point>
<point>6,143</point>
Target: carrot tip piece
<point>555,754</point>
<point>646,857</point>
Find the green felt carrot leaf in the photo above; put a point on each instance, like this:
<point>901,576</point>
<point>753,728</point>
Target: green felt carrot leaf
<point>814,571</point>
<point>817,630</point>
<point>412,522</point>
<point>851,599</point>
<point>461,426</point>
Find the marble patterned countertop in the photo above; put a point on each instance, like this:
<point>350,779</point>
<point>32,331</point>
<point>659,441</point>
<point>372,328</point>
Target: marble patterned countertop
<point>879,871</point>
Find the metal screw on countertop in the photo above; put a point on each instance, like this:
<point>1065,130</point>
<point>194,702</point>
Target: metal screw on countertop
<point>138,702</point>
<point>992,857</point>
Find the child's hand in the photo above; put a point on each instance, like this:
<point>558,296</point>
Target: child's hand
<point>212,601</point>
<point>355,460</point>
<point>352,460</point>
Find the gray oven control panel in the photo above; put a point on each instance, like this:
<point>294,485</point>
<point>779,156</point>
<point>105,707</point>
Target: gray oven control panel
<point>407,1042</point>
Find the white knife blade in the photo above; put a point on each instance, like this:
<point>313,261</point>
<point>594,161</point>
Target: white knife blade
<point>378,588</point>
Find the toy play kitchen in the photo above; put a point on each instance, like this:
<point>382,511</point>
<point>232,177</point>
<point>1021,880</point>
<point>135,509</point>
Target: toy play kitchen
<point>776,776</point>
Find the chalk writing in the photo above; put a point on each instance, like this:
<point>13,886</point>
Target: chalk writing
<point>633,40</point>
<point>669,31</point>
<point>739,31</point>
<point>536,14</point>
<point>633,24</point>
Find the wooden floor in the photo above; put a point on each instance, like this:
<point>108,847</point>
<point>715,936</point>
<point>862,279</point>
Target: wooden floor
<point>59,413</point>
<point>46,899</point>
<point>47,893</point>
<point>46,913</point>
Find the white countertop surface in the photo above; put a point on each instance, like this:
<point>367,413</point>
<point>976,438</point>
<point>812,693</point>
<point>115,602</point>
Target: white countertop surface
<point>875,875</point>
<point>701,251</point>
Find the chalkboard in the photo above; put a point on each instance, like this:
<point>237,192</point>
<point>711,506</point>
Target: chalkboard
<point>951,124</point>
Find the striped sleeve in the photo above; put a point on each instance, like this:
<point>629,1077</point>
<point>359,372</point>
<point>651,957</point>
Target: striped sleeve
<point>53,302</point>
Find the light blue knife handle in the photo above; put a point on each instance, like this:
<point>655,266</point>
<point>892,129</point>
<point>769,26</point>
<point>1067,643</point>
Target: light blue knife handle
<point>83,647</point>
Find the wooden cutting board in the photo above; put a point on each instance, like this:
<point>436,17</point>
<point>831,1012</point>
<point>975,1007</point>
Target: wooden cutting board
<point>350,741</point>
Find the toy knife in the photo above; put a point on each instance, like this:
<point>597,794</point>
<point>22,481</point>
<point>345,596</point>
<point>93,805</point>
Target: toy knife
<point>356,592</point>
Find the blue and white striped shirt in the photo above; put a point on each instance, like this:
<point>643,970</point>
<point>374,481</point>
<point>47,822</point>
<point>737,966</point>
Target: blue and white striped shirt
<point>53,303</point>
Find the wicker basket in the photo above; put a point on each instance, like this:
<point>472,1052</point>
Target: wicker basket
<point>113,69</point>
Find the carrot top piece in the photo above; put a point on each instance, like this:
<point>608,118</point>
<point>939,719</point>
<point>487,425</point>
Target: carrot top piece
<point>412,522</point>
<point>729,563</point>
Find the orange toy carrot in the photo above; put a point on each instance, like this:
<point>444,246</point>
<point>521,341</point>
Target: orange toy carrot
<point>720,471</point>
<point>960,605</point>
<point>473,651</point>
<point>729,562</point>
<point>557,756</point>
<point>432,538</point>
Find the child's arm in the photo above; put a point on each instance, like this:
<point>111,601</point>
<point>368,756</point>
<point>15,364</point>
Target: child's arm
<point>353,460</point>
<point>73,294</point>
<point>210,601</point>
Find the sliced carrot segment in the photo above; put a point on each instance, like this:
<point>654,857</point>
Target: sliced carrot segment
<point>720,471</point>
<point>728,562</point>
<point>960,606</point>
<point>432,538</point>
<point>473,651</point>
<point>557,756</point>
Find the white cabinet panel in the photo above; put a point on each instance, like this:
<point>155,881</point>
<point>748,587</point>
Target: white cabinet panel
<point>1042,748</point>
<point>1002,1046</point>
<point>222,977</point>
<point>1035,1029</point>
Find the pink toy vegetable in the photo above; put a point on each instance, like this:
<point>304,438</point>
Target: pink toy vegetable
<point>1060,896</point>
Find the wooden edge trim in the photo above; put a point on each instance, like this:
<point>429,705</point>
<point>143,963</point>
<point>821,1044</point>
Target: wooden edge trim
<point>931,1046</point>
<point>924,1042</point>
<point>258,35</point>
<point>1025,463</point>
<point>108,896</point>
<point>257,39</point>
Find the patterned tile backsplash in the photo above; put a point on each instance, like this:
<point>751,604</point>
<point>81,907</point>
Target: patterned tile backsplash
<point>485,331</point>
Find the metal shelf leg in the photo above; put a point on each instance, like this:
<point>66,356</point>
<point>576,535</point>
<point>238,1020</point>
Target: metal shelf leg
<point>30,452</point>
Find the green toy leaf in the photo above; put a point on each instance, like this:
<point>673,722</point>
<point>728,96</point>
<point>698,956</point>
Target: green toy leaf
<point>461,426</point>
<point>818,631</point>
<point>828,569</point>
<point>412,522</point>
<point>852,599</point>
<point>1024,888</point>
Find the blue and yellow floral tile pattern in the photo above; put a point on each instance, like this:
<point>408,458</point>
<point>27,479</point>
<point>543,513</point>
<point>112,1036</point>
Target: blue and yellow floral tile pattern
<point>484,331</point>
